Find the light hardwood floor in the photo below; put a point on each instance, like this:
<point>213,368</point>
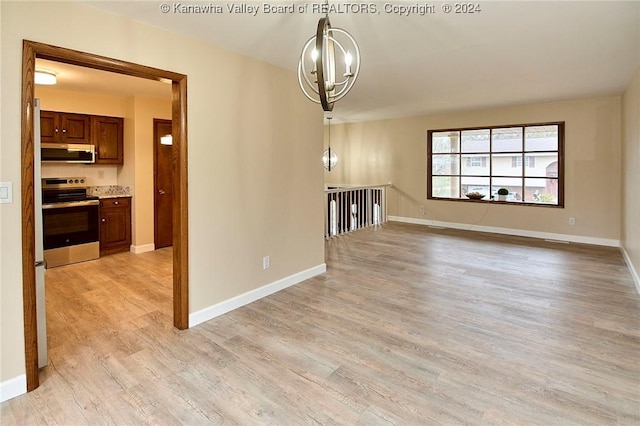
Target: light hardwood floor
<point>410,325</point>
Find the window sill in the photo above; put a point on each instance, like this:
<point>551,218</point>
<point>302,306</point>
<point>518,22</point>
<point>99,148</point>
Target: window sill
<point>483,201</point>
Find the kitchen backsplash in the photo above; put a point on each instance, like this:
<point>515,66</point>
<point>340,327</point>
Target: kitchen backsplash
<point>96,174</point>
<point>105,190</point>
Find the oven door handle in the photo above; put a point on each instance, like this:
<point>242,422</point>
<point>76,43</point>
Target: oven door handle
<point>70,204</point>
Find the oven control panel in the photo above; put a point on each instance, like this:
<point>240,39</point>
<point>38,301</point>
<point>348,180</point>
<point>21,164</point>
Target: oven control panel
<point>66,182</point>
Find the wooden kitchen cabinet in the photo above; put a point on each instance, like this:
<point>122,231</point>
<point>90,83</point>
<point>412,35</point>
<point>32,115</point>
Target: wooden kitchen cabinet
<point>115,225</point>
<point>107,134</point>
<point>65,127</point>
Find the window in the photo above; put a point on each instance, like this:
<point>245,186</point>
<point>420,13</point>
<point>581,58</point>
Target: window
<point>529,161</point>
<point>525,159</point>
<point>476,161</point>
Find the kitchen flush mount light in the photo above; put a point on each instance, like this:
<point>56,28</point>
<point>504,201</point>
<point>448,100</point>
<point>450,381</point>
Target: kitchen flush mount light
<point>166,140</point>
<point>45,77</point>
<point>319,60</point>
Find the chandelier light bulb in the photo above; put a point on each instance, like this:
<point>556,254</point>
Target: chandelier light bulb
<point>348,60</point>
<point>314,58</point>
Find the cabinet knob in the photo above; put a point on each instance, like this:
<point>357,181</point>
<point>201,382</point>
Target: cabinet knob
<point>64,130</point>
<point>56,130</point>
<point>104,220</point>
<point>116,203</point>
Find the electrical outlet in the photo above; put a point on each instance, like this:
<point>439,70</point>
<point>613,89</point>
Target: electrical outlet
<point>572,221</point>
<point>100,174</point>
<point>422,210</point>
<point>266,262</point>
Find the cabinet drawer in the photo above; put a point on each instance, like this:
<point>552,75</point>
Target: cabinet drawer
<point>115,202</point>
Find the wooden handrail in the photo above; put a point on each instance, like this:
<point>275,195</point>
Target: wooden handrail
<point>339,188</point>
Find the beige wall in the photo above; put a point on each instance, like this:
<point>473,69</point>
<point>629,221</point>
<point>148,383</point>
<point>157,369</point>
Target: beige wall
<point>396,151</point>
<point>138,168</point>
<point>631,173</point>
<point>255,187</point>
<point>54,99</point>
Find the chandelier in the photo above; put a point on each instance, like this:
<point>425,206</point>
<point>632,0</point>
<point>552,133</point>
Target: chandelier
<point>329,157</point>
<point>319,61</point>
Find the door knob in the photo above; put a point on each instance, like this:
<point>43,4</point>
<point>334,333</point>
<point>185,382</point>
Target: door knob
<point>161,192</point>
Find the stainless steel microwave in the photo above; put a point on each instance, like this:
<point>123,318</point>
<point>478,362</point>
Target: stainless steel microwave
<point>68,153</point>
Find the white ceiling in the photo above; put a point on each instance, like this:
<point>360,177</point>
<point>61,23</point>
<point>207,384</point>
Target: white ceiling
<point>79,79</point>
<point>511,52</point>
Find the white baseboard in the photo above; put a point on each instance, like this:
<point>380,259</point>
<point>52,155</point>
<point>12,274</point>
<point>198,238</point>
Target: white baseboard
<point>142,249</point>
<point>632,269</point>
<point>510,231</point>
<point>13,387</point>
<point>251,296</point>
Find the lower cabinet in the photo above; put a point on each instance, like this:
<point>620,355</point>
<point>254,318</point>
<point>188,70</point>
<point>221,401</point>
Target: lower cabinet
<point>115,225</point>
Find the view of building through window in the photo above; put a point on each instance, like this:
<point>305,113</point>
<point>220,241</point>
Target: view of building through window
<point>525,160</point>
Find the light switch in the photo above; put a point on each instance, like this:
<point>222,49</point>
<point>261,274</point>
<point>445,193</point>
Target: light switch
<point>6,192</point>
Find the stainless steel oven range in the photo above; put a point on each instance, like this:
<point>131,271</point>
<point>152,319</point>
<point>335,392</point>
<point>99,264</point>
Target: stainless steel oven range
<point>69,221</point>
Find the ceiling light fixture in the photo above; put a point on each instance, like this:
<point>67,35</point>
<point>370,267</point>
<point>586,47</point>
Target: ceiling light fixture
<point>329,157</point>
<point>317,65</point>
<point>45,77</point>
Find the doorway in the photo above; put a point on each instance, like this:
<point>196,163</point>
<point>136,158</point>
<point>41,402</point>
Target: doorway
<point>31,51</point>
<point>162,183</point>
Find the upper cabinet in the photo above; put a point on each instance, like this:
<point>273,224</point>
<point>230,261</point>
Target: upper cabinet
<point>63,127</point>
<point>107,135</point>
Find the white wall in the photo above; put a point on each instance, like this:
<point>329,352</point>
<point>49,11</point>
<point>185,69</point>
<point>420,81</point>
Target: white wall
<point>255,185</point>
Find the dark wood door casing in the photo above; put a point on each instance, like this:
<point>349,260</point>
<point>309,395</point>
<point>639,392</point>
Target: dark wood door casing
<point>162,185</point>
<point>31,50</point>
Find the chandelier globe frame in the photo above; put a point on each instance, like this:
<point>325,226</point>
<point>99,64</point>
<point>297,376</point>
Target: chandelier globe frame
<point>320,52</point>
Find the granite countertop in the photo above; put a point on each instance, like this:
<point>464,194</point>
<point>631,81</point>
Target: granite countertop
<point>103,196</point>
<point>110,191</point>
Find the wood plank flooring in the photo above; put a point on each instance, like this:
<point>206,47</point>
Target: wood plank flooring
<point>410,325</point>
